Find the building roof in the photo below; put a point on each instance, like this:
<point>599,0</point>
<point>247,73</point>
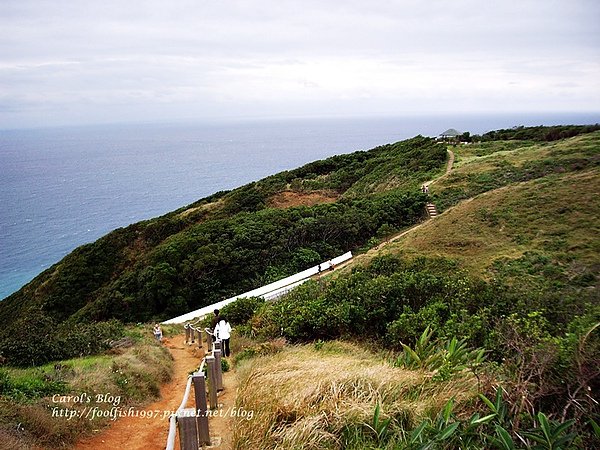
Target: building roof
<point>450,133</point>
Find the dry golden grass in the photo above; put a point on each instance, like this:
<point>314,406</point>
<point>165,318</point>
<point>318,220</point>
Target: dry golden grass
<point>304,397</point>
<point>14,440</point>
<point>205,207</point>
<point>507,222</point>
<point>134,374</point>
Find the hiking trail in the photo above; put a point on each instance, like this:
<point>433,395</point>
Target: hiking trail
<point>137,433</point>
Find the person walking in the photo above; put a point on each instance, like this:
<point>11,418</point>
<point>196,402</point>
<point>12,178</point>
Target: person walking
<point>157,332</point>
<point>223,332</point>
<point>213,323</point>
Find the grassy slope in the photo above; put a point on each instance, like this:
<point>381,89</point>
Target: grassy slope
<point>323,396</point>
<point>523,212</point>
<point>133,374</point>
<point>554,214</point>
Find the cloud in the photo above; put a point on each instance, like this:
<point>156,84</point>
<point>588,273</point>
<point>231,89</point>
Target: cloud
<point>205,58</point>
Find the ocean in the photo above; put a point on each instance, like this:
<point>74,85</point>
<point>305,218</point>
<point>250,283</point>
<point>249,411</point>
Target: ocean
<point>63,187</point>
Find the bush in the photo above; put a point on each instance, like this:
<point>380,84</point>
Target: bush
<point>443,357</point>
<point>263,349</point>
<point>39,340</point>
<point>242,310</point>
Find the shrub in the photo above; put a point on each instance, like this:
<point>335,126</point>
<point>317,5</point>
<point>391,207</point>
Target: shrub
<point>263,349</point>
<point>445,358</point>
<point>242,310</point>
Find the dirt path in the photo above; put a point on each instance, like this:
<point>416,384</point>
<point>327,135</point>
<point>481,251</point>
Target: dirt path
<point>220,426</point>
<point>150,433</point>
<point>449,167</point>
<point>450,162</point>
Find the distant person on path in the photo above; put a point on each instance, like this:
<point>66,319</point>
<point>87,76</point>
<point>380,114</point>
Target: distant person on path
<point>223,332</point>
<point>157,332</point>
<point>423,189</point>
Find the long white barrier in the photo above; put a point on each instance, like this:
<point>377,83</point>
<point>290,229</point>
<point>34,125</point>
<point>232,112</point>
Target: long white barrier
<point>284,290</point>
<point>268,292</point>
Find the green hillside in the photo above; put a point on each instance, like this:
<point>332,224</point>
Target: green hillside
<point>224,244</point>
<point>475,329</point>
<point>527,213</point>
<point>509,270</point>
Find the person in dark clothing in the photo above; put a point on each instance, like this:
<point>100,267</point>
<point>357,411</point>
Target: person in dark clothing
<point>215,319</point>
<point>214,322</point>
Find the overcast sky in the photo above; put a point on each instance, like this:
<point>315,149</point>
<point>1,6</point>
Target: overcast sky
<point>82,61</point>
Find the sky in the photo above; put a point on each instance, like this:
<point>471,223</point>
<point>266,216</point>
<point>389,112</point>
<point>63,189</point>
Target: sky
<point>106,61</point>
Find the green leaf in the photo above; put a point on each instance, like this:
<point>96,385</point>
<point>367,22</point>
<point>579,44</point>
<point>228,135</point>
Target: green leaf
<point>452,345</point>
<point>566,439</point>
<point>415,436</point>
<point>505,438</point>
<point>545,426</point>
<point>595,427</point>
<point>498,399</point>
<point>488,402</point>
<point>412,354</point>
<point>448,431</point>
<point>535,437</point>
<point>448,410</point>
<point>424,339</point>
<point>563,427</point>
<point>376,416</point>
<point>485,419</point>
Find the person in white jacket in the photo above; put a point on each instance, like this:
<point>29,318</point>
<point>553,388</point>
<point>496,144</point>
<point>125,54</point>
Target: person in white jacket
<point>223,332</point>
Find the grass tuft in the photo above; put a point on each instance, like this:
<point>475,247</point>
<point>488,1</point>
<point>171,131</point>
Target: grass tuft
<point>309,398</point>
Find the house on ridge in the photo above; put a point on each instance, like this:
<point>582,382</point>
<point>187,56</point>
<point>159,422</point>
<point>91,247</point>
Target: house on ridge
<point>449,134</point>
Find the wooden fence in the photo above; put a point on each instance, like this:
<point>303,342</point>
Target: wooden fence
<point>192,423</point>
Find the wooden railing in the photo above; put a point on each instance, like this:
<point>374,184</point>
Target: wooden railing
<point>192,423</point>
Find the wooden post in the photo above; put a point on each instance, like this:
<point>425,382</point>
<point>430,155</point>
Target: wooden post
<point>187,333</point>
<point>192,334</point>
<point>217,354</point>
<point>188,430</point>
<point>211,370</point>
<point>217,344</point>
<point>209,341</point>
<point>201,408</point>
<point>199,331</point>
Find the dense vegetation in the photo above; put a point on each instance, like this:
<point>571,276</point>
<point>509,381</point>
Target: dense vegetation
<point>393,301</point>
<point>498,295</point>
<point>511,278</point>
<point>219,246</point>
<point>539,133</point>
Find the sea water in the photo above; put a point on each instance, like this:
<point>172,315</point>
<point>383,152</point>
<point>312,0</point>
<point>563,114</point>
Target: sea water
<point>63,187</point>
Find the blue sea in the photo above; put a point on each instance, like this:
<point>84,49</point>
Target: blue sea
<point>63,187</point>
